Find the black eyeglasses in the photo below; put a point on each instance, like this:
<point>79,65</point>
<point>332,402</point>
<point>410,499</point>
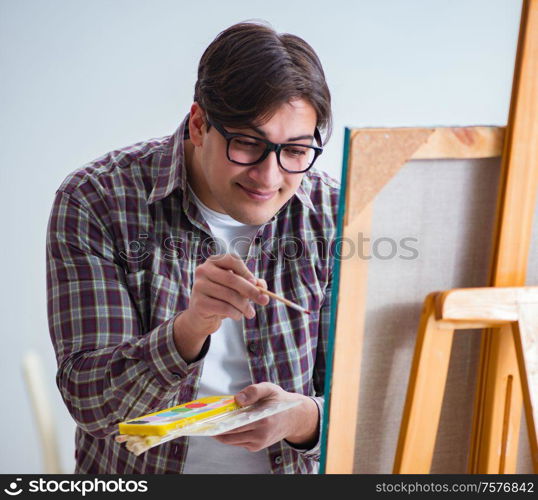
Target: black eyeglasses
<point>248,150</point>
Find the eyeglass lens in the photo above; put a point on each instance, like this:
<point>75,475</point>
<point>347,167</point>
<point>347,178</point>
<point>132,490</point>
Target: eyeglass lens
<point>292,157</point>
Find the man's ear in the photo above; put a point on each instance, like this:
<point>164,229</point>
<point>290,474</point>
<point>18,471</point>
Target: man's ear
<point>197,124</point>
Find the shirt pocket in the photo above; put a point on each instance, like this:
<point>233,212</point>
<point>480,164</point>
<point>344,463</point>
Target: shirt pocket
<point>306,289</point>
<point>156,297</point>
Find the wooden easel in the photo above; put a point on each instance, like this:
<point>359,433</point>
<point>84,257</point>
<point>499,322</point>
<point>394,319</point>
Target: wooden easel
<point>373,157</point>
<point>502,377</point>
<point>498,403</point>
<point>512,310</point>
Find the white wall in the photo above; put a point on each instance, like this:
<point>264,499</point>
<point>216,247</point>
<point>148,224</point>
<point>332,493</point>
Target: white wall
<point>81,78</point>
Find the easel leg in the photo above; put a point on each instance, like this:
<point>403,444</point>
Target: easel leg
<point>526,341</point>
<point>424,395</point>
<point>498,409</point>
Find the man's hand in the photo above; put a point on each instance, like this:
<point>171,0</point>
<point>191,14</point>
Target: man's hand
<point>298,425</point>
<point>222,288</point>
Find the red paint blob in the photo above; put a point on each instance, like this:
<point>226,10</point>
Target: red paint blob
<point>195,405</point>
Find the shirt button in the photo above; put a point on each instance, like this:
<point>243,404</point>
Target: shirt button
<point>253,347</point>
<point>278,460</point>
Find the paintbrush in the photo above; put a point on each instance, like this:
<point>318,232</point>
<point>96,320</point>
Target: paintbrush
<point>282,299</point>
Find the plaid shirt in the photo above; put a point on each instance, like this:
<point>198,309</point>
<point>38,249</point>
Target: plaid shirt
<point>123,241</point>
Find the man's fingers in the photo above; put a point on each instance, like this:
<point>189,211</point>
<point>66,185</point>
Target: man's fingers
<point>225,294</point>
<point>221,308</point>
<point>252,393</point>
<point>233,262</point>
<point>239,439</point>
<point>245,428</point>
<point>262,283</point>
<point>238,283</point>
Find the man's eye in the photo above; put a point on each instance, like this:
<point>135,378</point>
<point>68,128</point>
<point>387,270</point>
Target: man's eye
<point>295,152</point>
<point>246,143</point>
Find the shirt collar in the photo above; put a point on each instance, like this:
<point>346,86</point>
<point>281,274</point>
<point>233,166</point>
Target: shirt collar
<point>303,192</point>
<point>172,173</point>
<point>170,168</point>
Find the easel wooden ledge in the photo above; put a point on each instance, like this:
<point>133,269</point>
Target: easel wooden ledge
<point>514,310</point>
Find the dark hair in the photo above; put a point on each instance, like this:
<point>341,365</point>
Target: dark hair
<point>249,71</point>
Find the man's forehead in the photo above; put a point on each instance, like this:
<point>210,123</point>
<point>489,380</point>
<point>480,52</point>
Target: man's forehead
<point>294,130</point>
<point>300,136</point>
<point>295,110</point>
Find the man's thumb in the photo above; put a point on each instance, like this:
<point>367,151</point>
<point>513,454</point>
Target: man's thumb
<point>249,395</point>
<point>241,398</point>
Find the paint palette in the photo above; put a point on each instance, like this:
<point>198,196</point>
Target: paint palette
<point>207,417</point>
<point>162,422</point>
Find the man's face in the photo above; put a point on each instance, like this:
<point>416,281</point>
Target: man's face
<point>249,194</point>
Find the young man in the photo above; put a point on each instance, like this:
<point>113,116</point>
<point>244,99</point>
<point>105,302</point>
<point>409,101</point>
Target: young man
<point>154,257</point>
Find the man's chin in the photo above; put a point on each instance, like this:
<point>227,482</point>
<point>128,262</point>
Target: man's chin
<point>251,216</point>
<point>253,219</point>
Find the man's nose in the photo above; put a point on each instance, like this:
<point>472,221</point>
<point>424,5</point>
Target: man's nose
<point>267,173</point>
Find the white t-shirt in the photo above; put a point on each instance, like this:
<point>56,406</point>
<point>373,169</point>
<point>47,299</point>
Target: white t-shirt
<point>225,369</point>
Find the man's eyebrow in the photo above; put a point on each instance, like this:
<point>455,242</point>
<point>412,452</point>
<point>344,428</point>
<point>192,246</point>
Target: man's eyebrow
<point>299,138</point>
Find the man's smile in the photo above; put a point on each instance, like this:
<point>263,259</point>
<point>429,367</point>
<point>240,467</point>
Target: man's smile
<point>258,194</point>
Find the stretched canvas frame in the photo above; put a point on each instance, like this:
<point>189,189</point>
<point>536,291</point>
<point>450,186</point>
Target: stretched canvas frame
<point>373,156</point>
